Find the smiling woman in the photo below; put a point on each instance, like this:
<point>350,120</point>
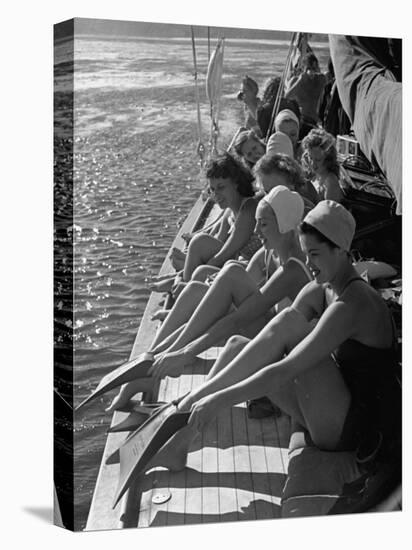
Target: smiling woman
<point>231,186</point>
<point>238,301</point>
<point>336,379</point>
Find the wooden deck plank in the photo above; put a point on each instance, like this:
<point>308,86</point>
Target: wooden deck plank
<point>244,480</point>
<point>148,482</point>
<point>259,467</point>
<point>194,476</point>
<point>226,476</point>
<point>176,507</point>
<point>276,459</point>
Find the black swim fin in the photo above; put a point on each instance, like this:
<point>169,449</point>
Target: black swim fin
<point>136,368</point>
<point>138,449</point>
<point>136,418</point>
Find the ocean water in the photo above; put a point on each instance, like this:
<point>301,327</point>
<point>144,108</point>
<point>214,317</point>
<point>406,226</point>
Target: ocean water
<point>135,177</point>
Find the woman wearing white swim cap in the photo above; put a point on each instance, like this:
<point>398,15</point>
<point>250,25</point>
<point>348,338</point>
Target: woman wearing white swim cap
<point>239,300</point>
<point>337,381</point>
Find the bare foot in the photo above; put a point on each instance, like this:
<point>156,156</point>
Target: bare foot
<point>160,315</point>
<point>162,286</point>
<point>156,278</point>
<point>127,391</point>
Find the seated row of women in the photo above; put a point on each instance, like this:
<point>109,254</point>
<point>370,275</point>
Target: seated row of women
<point>299,324</point>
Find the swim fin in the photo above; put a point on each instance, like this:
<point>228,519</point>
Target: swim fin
<point>138,449</point>
<point>136,368</point>
<point>135,419</point>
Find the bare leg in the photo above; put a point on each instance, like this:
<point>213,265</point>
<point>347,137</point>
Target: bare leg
<point>165,285</point>
<point>239,360</point>
<point>202,272</point>
<point>201,248</point>
<point>232,286</point>
<point>176,318</point>
<point>127,391</point>
<point>173,454</point>
<point>182,310</point>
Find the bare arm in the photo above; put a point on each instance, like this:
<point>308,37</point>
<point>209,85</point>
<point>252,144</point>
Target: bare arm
<point>336,325</point>
<point>221,230</point>
<point>241,234</point>
<point>332,188</point>
<point>256,266</point>
<point>285,282</point>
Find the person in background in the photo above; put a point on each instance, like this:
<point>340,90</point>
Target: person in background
<point>249,147</point>
<point>372,98</point>
<point>248,94</point>
<point>280,143</point>
<point>279,169</point>
<point>319,158</point>
<point>288,123</point>
<point>265,109</point>
<point>307,88</point>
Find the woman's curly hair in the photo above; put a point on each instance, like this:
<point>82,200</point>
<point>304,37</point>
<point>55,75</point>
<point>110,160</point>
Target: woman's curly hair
<point>283,164</point>
<point>227,166</point>
<point>318,137</point>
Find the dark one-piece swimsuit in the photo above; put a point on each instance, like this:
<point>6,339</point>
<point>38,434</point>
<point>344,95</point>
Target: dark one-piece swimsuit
<point>374,415</point>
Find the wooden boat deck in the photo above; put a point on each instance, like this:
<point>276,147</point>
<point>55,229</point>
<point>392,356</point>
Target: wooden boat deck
<point>235,470</point>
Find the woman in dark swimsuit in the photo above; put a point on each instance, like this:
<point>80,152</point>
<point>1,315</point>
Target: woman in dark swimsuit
<point>335,380</point>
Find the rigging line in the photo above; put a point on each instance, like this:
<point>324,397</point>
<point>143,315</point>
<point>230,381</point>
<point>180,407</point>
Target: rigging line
<point>208,43</point>
<point>200,145</point>
<point>292,48</point>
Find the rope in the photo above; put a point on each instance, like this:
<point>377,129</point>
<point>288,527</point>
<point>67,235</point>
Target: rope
<point>200,145</point>
<point>281,88</point>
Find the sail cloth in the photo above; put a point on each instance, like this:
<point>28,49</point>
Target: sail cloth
<point>213,91</point>
<point>302,49</point>
<point>372,100</point>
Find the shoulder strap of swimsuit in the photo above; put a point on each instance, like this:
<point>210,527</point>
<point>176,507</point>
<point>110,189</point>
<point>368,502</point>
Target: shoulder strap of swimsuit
<point>303,266</point>
<point>351,281</point>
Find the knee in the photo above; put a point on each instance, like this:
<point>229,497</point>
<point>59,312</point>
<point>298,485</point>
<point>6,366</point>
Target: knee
<point>233,271</point>
<point>194,288</point>
<point>236,343</point>
<point>202,272</point>
<point>198,240</point>
<point>291,324</point>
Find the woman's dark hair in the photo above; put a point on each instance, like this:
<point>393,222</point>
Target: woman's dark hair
<point>283,164</point>
<point>226,166</point>
<point>318,137</point>
<point>307,229</point>
<point>271,89</point>
<point>310,61</point>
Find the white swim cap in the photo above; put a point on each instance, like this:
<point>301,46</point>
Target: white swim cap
<point>287,205</point>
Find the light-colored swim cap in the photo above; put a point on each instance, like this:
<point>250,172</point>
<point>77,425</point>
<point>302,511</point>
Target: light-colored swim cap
<point>279,143</point>
<point>285,114</point>
<point>287,205</point>
<point>334,222</point>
